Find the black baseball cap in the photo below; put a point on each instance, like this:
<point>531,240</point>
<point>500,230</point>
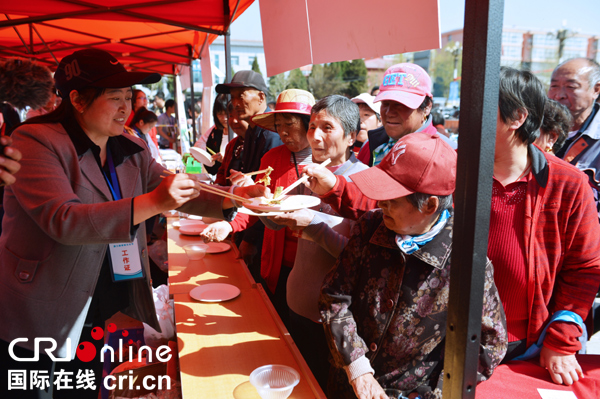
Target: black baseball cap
<point>96,68</point>
<point>244,79</point>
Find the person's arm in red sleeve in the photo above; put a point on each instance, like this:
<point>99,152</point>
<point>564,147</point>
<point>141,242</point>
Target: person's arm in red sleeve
<point>344,197</point>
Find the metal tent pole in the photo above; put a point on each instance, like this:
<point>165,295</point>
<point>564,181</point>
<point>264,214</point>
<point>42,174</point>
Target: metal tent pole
<point>477,126</point>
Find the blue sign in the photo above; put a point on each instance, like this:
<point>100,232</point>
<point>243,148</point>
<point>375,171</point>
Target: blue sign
<point>453,94</point>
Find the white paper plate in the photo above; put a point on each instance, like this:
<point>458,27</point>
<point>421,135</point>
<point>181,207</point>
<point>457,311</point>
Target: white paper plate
<point>201,156</point>
<point>290,204</point>
<point>191,229</point>
<point>215,292</point>
<point>218,247</point>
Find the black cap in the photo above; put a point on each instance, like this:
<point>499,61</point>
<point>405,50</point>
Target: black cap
<point>244,79</point>
<point>96,68</point>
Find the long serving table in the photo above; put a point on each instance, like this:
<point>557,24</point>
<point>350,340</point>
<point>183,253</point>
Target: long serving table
<point>220,344</point>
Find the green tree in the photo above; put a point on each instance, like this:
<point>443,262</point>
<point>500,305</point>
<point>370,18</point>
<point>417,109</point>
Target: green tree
<point>442,71</point>
<point>277,84</point>
<point>255,66</point>
<point>325,80</point>
<point>354,74</point>
<point>297,80</point>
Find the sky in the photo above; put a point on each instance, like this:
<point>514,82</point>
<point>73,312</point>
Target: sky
<point>581,15</point>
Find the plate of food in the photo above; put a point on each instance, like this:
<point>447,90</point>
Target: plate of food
<point>202,156</point>
<point>288,203</point>
<point>216,292</point>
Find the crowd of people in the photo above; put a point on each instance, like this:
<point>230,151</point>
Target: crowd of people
<point>360,280</point>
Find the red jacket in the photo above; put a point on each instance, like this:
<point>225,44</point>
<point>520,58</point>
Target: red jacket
<point>283,174</point>
<point>562,237</point>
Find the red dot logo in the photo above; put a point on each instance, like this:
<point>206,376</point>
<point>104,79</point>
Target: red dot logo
<point>97,333</point>
<point>112,327</point>
<point>86,351</point>
<point>125,333</point>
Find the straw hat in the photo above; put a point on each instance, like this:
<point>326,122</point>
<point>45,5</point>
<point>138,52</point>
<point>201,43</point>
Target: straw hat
<point>292,101</point>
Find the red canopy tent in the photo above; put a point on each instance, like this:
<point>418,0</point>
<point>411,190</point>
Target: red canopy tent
<point>154,36</point>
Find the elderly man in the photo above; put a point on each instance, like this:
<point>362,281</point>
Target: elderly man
<point>576,84</point>
<point>249,98</point>
<point>384,304</point>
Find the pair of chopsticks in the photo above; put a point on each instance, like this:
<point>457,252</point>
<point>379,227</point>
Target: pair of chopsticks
<point>301,180</point>
<point>255,173</point>
<point>222,193</point>
<point>213,190</point>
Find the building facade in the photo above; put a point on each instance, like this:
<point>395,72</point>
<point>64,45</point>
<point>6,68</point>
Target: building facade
<point>538,50</point>
<point>243,53</point>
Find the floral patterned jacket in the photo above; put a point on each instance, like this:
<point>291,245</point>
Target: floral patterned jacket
<point>383,307</point>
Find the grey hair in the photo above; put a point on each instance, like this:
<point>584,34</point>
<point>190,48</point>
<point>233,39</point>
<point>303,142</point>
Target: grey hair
<point>342,109</point>
<point>419,201</point>
<point>594,67</point>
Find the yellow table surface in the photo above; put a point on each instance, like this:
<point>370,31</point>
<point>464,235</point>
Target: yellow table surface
<point>220,344</point>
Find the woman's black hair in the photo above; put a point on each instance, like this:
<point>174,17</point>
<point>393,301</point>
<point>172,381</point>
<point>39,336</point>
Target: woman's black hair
<point>143,114</point>
<point>66,109</point>
<point>220,105</point>
<point>522,91</point>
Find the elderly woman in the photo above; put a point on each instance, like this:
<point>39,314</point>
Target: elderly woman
<point>324,234</point>
<point>543,237</point>
<point>406,103</point>
<point>384,304</point>
<point>290,120</point>
<point>73,249</point>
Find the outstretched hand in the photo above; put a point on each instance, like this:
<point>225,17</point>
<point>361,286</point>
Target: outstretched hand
<point>564,369</point>
<point>294,220</point>
<point>239,179</point>
<point>175,190</point>
<point>321,180</point>
<point>253,191</point>
<point>172,192</point>
<point>367,387</point>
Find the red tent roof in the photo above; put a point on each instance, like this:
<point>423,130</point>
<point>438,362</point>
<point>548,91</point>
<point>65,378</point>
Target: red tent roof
<point>144,35</point>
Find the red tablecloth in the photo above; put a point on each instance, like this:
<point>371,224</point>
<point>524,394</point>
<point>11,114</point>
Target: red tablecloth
<point>519,379</point>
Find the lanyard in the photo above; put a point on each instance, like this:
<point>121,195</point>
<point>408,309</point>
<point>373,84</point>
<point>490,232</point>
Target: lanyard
<point>115,190</point>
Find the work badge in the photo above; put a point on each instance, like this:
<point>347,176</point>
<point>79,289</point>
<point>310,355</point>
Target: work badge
<point>125,261</point>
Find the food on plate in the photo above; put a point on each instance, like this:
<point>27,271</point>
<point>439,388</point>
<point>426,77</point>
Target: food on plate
<point>266,179</point>
<point>272,201</point>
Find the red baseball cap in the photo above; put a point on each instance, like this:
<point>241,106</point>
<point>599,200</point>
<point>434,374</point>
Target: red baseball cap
<point>405,83</point>
<point>418,163</point>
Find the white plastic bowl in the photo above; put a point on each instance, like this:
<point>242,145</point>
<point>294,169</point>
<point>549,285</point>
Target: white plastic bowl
<point>195,251</point>
<point>274,381</point>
